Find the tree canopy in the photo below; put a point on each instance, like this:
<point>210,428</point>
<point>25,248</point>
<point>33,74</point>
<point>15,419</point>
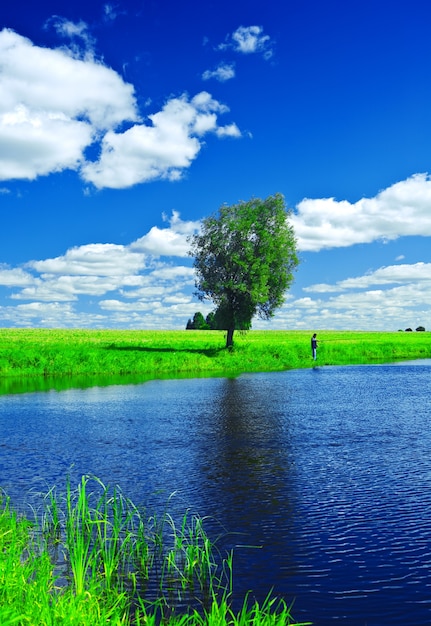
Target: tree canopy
<point>244,258</point>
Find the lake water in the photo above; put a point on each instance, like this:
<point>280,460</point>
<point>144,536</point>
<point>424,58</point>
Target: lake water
<point>320,479</point>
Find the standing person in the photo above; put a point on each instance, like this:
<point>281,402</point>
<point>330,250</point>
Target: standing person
<point>314,346</point>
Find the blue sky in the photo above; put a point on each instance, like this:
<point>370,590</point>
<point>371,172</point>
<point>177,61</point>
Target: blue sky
<point>123,124</point>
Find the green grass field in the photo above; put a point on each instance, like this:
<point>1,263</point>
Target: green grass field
<point>43,358</point>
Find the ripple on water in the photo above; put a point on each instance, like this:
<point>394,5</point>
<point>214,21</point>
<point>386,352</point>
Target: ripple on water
<point>320,481</point>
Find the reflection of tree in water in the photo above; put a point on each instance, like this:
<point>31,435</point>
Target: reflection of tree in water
<point>247,467</point>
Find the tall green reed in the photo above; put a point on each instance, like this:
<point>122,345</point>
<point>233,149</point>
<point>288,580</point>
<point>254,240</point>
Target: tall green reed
<point>79,536</point>
<point>109,543</point>
<point>122,567</point>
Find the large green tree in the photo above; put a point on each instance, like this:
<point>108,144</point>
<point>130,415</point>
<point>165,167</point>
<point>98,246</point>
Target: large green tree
<point>244,258</point>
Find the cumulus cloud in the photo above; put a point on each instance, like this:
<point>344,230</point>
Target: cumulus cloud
<point>161,241</point>
<point>250,40</point>
<point>34,144</point>
<point>14,277</point>
<point>162,150</point>
<point>418,273</point>
<point>56,103</point>
<point>172,241</point>
<point>51,315</point>
<point>231,130</point>
<point>387,309</point>
<point>222,73</point>
<point>135,276</point>
<point>119,305</point>
<point>388,298</point>
<point>398,303</point>
<point>52,82</point>
<point>93,260</point>
<point>399,210</point>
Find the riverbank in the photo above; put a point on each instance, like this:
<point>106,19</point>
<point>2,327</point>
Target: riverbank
<point>45,358</point>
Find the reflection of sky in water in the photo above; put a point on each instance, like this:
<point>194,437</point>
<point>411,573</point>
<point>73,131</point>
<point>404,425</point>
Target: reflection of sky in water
<point>320,479</point>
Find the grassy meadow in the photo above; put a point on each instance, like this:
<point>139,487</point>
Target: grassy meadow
<point>32,359</point>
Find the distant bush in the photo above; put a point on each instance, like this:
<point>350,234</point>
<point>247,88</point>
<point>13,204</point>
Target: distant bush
<point>420,329</point>
<point>409,330</point>
<point>198,322</point>
<point>216,320</point>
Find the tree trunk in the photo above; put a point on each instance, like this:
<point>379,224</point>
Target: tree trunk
<point>229,337</point>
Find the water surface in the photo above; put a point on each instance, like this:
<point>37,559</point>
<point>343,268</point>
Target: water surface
<point>320,479</point>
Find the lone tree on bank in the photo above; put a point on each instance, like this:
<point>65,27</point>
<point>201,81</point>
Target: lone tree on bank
<point>244,257</point>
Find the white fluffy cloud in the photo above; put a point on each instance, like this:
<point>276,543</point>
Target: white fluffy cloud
<point>388,309</point>
<point>38,143</point>
<point>134,275</point>
<point>249,40</point>
<point>222,73</point>
<point>49,314</point>
<point>15,277</point>
<point>54,104</point>
<point>390,298</point>
<point>172,241</point>
<point>162,150</point>
<point>399,210</point>
<point>52,81</point>
<point>93,260</point>
<point>417,273</point>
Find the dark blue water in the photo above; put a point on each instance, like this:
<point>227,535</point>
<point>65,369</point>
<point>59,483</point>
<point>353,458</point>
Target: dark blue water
<point>320,479</point>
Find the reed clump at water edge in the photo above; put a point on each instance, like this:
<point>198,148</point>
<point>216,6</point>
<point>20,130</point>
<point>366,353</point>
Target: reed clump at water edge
<point>130,356</point>
<point>93,558</point>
